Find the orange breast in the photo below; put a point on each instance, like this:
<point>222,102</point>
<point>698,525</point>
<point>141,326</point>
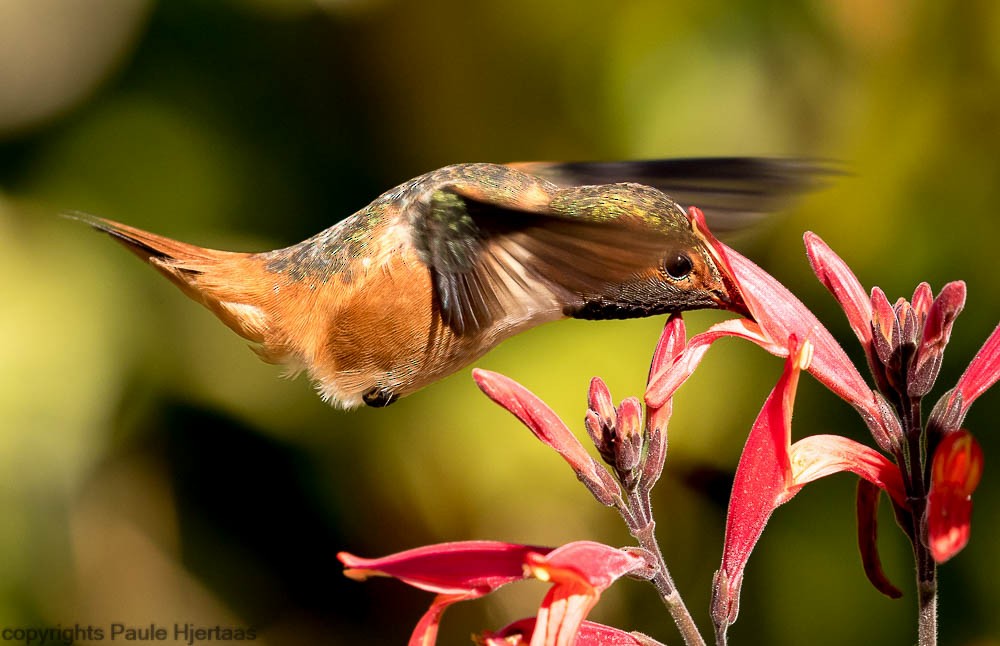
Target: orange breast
<point>380,330</point>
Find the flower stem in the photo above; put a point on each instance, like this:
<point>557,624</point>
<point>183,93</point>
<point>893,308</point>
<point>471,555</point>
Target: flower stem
<point>916,473</point>
<point>646,535</point>
<point>926,592</point>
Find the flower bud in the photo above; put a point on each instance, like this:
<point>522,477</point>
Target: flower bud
<point>629,449</point>
<point>926,364</point>
<point>599,400</point>
<point>883,326</point>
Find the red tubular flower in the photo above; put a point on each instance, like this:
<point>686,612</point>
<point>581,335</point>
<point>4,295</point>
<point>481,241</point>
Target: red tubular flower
<point>550,429</point>
<point>520,633</point>
<point>772,470</point>
<point>955,474</point>
<point>983,372</point>
<point>456,571</point>
<point>777,315</point>
<point>837,277</point>
<point>580,572</point>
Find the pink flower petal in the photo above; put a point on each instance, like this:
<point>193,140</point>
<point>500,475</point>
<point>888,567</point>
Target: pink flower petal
<point>426,631</point>
<point>589,634</point>
<point>983,371</point>
<point>781,315</point>
<point>718,251</point>
<point>663,385</point>
<point>949,522</point>
<point>955,473</point>
<point>461,568</point>
<point>867,509</point>
<point>761,484</point>
<point>670,346</point>
<point>958,462</point>
<point>600,565</point>
<point>550,429</point>
<point>821,455</point>
<point>837,277</point>
<point>563,609</point>
<point>771,472</point>
<point>581,571</point>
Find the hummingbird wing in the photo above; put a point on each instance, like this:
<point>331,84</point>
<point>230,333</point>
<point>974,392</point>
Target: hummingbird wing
<point>733,192</point>
<point>492,264</point>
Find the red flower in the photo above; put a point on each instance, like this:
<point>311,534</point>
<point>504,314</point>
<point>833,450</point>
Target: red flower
<point>520,633</point>
<point>772,470</point>
<point>456,571</point>
<point>550,429</point>
<point>777,315</point>
<point>635,448</point>
<point>955,474</point>
<point>983,371</point>
<point>920,330</point>
<point>579,571</point>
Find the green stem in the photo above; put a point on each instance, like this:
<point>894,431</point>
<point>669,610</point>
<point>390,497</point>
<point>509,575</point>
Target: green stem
<point>646,535</point>
<point>917,479</point>
<point>927,601</point>
<point>926,588</point>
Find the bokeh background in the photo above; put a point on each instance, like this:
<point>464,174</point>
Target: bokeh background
<point>153,470</point>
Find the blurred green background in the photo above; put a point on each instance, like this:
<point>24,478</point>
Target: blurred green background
<point>155,471</point>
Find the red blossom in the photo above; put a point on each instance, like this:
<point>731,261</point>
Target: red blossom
<point>837,277</point>
<point>520,633</point>
<point>457,571</point>
<point>955,474</point>
<point>550,429</point>
<point>867,514</point>
<point>772,470</point>
<point>777,315</point>
<point>579,571</point>
<point>983,372</point>
<point>465,567</point>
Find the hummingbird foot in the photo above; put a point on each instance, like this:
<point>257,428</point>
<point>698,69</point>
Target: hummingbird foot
<point>379,397</point>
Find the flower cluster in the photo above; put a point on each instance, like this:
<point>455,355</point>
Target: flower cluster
<point>928,469</point>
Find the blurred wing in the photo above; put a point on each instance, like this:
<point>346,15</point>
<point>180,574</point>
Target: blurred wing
<point>491,264</point>
<point>734,192</point>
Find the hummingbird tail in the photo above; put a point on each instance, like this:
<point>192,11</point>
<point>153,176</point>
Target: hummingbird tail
<point>222,281</point>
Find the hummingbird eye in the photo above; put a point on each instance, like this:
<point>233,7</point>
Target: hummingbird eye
<point>678,265</point>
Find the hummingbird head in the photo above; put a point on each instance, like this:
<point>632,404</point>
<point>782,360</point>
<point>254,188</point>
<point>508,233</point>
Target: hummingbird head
<point>662,262</point>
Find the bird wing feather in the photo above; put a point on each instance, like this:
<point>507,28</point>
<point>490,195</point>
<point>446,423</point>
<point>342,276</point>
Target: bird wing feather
<point>491,264</point>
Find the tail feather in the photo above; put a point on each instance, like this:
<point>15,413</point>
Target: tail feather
<point>222,281</point>
<point>146,245</point>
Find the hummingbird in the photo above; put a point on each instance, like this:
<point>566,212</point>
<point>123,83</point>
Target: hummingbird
<point>437,271</point>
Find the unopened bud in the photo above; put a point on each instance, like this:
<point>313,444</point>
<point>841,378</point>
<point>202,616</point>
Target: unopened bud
<point>883,323</point>
<point>629,448</point>
<point>936,333</point>
<point>599,400</point>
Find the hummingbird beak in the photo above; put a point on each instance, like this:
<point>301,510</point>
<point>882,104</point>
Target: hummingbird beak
<point>730,299</point>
